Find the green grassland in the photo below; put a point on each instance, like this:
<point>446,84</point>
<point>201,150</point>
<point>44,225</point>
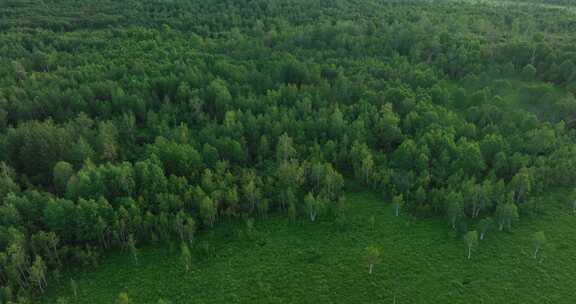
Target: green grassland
<point>423,261</point>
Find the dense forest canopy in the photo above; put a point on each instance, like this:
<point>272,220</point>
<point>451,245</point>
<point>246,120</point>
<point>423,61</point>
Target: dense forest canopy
<point>129,122</point>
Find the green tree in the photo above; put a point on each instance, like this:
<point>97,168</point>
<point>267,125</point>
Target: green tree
<point>471,160</point>
<point>454,208</point>
<point>471,240</point>
<point>521,184</point>
<point>47,244</point>
<point>7,183</point>
<point>332,182</point>
<point>107,141</point>
<point>362,161</point>
<point>292,213</point>
<point>80,152</point>
<point>289,176</point>
<point>189,229</point>
<point>538,240</point>
<point>74,288</point>
<point>372,222</point>
<point>132,248</point>
<point>123,298</point>
<point>372,257</point>
<point>9,215</point>
<point>62,300</point>
<point>484,226</point>
<point>62,172</point>
<point>506,213</point>
<point>251,193</point>
<point>397,204</point>
<point>186,256</point>
<point>38,273</point>
<point>367,167</point>
<point>529,72</point>
<point>208,211</point>
<point>34,148</point>
<point>219,97</point>
<point>285,149</point>
<point>231,201</point>
<point>314,206</point>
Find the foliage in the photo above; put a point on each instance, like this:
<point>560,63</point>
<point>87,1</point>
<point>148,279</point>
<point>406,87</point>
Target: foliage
<point>142,121</point>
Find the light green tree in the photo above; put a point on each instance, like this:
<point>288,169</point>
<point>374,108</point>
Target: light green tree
<point>189,229</point>
<point>208,211</point>
<point>471,240</point>
<point>123,298</point>
<point>538,240</point>
<point>186,256</point>
<point>454,208</point>
<point>314,205</point>
<point>484,226</point>
<point>62,172</point>
<point>285,149</point>
<point>61,300</point>
<point>132,248</point>
<point>397,204</point>
<point>573,202</point>
<point>74,288</point>
<point>372,257</point>
<point>38,273</point>
<point>521,184</point>
<point>506,214</point>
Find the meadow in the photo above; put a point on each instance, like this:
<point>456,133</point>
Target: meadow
<point>423,261</point>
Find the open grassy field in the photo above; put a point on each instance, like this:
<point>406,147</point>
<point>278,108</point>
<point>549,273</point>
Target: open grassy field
<point>423,261</point>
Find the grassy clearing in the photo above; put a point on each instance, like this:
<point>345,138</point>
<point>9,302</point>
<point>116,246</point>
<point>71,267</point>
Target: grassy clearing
<point>422,262</point>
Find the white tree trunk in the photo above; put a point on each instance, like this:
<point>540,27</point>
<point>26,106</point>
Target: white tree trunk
<point>469,252</point>
<point>370,269</point>
<point>477,212</point>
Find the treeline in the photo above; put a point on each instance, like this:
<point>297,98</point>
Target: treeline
<point>146,131</point>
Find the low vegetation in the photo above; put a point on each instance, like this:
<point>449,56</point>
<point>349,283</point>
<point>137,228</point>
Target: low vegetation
<point>417,260</point>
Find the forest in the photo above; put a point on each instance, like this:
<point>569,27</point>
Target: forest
<point>134,124</point>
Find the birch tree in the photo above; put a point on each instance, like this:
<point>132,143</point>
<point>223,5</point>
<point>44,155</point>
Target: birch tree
<point>372,257</point>
<point>132,248</point>
<point>123,298</point>
<point>484,226</point>
<point>38,273</point>
<point>538,240</point>
<point>314,206</point>
<point>506,214</point>
<point>454,208</point>
<point>471,240</point>
<point>186,256</point>
<point>397,204</point>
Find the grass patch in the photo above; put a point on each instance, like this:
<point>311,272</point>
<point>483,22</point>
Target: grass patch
<point>422,261</point>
